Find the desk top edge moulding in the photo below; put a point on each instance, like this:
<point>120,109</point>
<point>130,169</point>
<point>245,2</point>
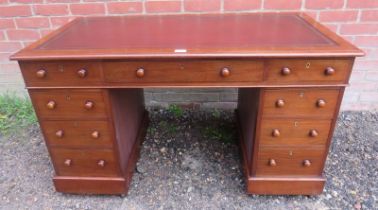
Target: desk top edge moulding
<point>86,82</point>
<point>289,34</point>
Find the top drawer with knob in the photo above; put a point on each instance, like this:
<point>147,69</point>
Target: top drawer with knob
<point>48,74</point>
<point>313,103</point>
<point>69,104</point>
<point>184,72</point>
<point>306,71</point>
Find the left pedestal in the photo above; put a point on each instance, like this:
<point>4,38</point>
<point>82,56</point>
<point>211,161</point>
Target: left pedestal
<point>92,135</point>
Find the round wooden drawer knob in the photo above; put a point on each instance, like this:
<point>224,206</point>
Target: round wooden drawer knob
<point>59,133</point>
<point>329,71</point>
<point>272,162</point>
<point>140,73</point>
<point>276,133</point>
<point>95,134</point>
<point>89,105</point>
<point>41,73</point>
<point>101,163</point>
<point>51,105</point>
<point>313,133</point>
<point>82,73</point>
<point>225,72</point>
<point>320,103</point>
<point>68,162</point>
<point>306,163</point>
<point>285,71</point>
<point>280,103</point>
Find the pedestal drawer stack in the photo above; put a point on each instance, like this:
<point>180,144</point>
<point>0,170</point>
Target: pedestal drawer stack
<point>286,151</point>
<point>78,127</point>
<point>77,130</point>
<point>295,127</point>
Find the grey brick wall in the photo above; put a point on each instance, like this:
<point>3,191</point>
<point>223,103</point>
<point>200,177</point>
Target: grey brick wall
<point>208,98</point>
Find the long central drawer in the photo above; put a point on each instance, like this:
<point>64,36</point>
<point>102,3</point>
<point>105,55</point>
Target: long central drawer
<point>184,71</point>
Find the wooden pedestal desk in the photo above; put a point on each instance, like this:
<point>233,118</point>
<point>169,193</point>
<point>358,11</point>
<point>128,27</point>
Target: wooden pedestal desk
<point>86,83</point>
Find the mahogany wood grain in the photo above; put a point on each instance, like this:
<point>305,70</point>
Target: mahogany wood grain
<point>128,113</point>
<point>285,185</point>
<point>248,109</point>
<point>78,133</point>
<point>184,71</point>
<point>275,185</point>
<point>86,78</point>
<point>69,73</point>
<point>84,162</point>
<point>294,132</point>
<point>70,104</point>
<point>105,185</point>
<point>300,103</point>
<point>90,185</point>
<point>290,161</point>
<point>309,70</point>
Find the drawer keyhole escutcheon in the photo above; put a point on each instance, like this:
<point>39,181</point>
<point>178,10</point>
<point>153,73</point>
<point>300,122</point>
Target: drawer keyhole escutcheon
<point>60,68</point>
<point>308,64</point>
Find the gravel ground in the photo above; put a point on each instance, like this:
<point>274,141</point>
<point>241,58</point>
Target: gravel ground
<point>193,162</point>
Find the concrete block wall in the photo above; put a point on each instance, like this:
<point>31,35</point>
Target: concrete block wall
<point>24,21</point>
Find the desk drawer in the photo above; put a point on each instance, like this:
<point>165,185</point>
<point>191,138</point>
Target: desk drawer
<point>317,103</point>
<point>74,162</point>
<point>47,74</point>
<point>184,72</point>
<point>69,104</point>
<point>330,71</point>
<point>294,132</point>
<point>290,161</point>
<point>78,133</point>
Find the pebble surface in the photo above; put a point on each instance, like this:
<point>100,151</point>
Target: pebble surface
<point>190,162</point>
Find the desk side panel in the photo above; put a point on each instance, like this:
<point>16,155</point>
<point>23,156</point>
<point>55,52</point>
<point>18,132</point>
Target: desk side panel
<point>128,111</point>
<point>248,105</point>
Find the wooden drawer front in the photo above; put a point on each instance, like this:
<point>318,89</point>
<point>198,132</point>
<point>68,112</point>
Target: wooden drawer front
<point>75,162</point>
<point>290,161</point>
<point>68,104</point>
<point>49,74</point>
<point>309,70</point>
<point>318,103</point>
<point>183,72</point>
<point>294,132</point>
<point>77,133</point>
